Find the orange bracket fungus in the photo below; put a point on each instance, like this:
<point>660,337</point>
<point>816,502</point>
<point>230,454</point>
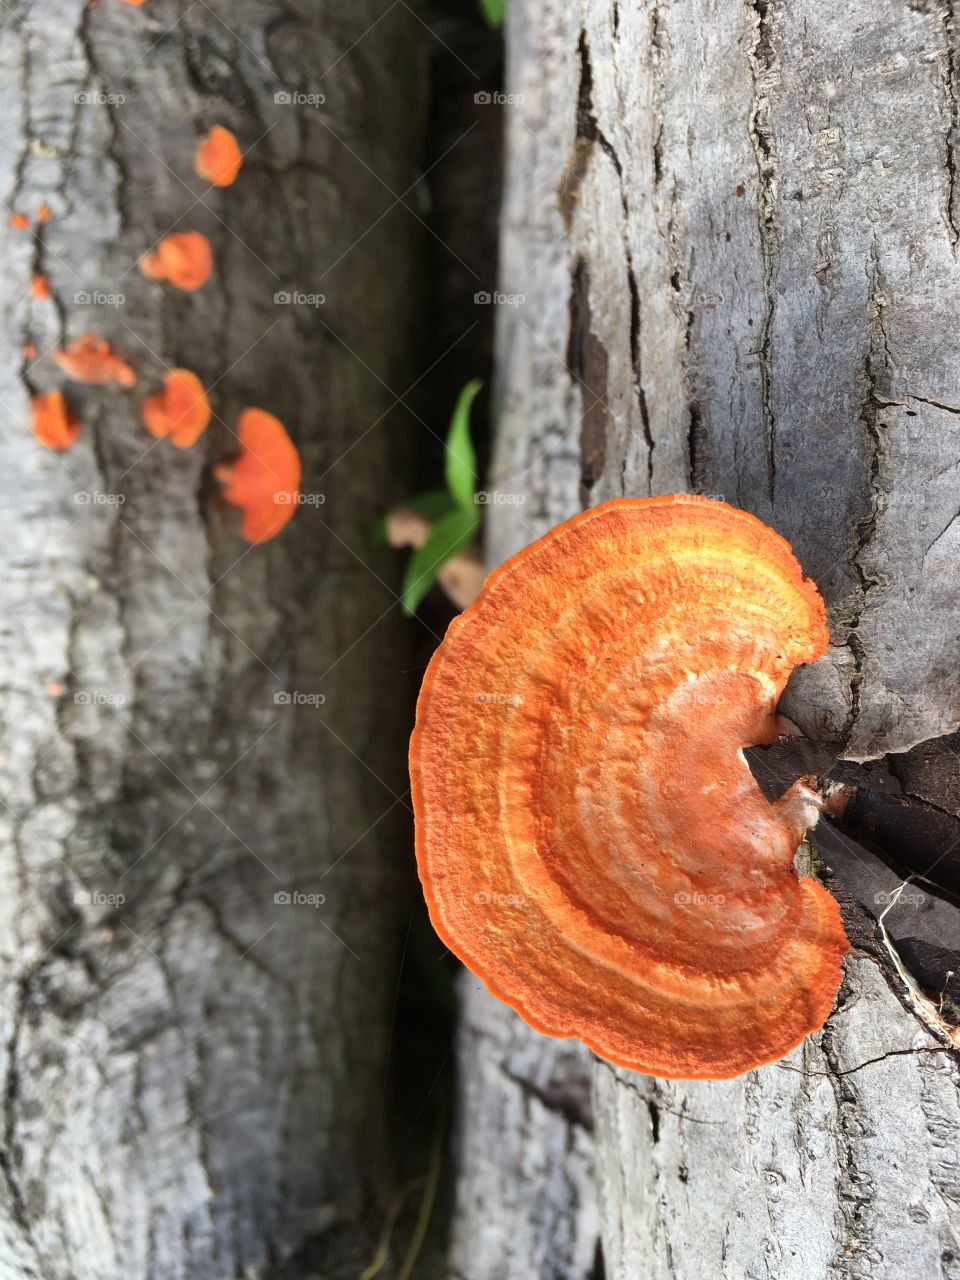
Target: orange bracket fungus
<point>180,411</point>
<point>55,425</point>
<point>265,480</point>
<point>219,157</point>
<point>184,259</point>
<point>590,839</point>
<point>40,287</point>
<point>90,358</point>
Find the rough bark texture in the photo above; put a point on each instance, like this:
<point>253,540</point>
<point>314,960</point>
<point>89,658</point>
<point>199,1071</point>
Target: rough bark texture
<point>735,229</point>
<point>192,1069</point>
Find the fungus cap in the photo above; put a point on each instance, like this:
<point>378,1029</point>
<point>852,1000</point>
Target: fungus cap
<point>219,157</point>
<point>55,425</point>
<point>90,358</point>
<point>589,837</point>
<point>265,480</point>
<point>184,259</point>
<point>181,410</point>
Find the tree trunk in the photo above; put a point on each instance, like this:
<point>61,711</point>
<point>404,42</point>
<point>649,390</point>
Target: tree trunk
<point>193,1066</point>
<point>735,229</point>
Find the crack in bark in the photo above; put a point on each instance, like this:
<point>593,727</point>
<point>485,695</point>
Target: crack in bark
<point>951,87</point>
<point>855,1190</point>
<point>892,1053</point>
<point>588,362</point>
<point>575,1111</point>
<point>589,129</point>
<point>875,366</point>
<point>762,62</point>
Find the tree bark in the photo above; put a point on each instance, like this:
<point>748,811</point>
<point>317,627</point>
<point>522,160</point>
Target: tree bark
<point>193,1068</point>
<point>735,231</point>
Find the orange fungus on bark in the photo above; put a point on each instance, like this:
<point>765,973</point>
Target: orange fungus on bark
<point>184,259</point>
<point>55,425</point>
<point>90,358</point>
<point>219,157</point>
<point>181,410</point>
<point>590,839</point>
<point>265,480</point>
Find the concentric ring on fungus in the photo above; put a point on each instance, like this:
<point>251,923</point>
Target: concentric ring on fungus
<point>589,837</point>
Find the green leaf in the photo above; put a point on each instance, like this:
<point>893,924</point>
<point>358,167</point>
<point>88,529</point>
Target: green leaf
<point>431,505</point>
<point>461,460</point>
<point>495,11</point>
<point>448,536</point>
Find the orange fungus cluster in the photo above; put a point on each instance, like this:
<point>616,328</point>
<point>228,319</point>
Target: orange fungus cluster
<point>264,481</point>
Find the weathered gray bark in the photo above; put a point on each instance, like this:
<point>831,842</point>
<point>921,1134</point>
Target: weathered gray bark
<point>735,228</point>
<point>193,1079</point>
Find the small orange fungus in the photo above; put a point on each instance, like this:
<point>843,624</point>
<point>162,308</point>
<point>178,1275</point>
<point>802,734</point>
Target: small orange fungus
<point>218,157</point>
<point>40,287</point>
<point>29,351</point>
<point>90,358</point>
<point>19,221</point>
<point>265,480</point>
<point>55,425</point>
<point>180,411</point>
<point>590,839</point>
<point>43,213</point>
<point>184,259</point>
